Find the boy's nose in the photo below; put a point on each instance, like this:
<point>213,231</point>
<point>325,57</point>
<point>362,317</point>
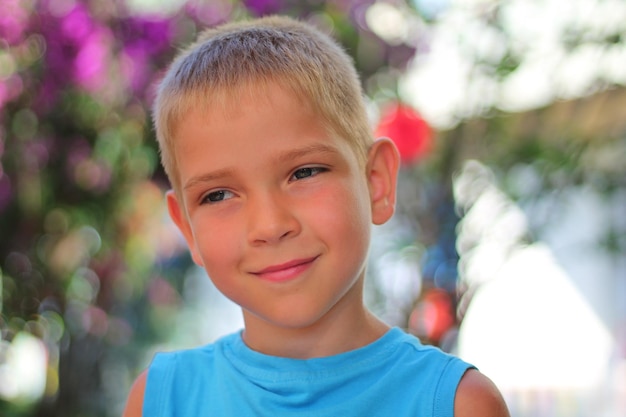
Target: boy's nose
<point>271,219</point>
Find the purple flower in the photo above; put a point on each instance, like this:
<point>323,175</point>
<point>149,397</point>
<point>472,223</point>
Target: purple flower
<point>152,35</point>
<point>142,40</point>
<point>263,7</point>
<point>77,48</point>
<point>135,67</point>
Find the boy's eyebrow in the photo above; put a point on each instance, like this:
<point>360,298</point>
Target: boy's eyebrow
<point>209,176</point>
<point>282,158</point>
<point>311,149</point>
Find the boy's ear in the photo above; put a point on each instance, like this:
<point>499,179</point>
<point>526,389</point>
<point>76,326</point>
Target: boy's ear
<point>382,174</point>
<point>178,216</point>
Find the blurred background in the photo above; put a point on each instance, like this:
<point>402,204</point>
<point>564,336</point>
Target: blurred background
<point>508,247</point>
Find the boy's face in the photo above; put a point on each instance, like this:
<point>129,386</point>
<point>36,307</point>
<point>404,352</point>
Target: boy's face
<point>277,211</point>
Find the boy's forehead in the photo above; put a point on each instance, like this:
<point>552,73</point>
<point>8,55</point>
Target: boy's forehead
<point>252,135</point>
<point>234,102</point>
<point>231,104</point>
<point>259,94</point>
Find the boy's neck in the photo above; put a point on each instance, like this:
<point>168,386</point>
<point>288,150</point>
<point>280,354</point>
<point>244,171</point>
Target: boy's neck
<point>331,336</point>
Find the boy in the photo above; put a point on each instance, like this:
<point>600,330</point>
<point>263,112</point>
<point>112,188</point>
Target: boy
<point>276,182</point>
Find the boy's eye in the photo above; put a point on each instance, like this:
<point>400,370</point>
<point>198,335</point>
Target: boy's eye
<point>217,196</point>
<point>307,172</point>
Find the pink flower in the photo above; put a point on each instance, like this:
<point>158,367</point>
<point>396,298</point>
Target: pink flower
<point>77,24</point>
<point>13,21</point>
<point>90,69</point>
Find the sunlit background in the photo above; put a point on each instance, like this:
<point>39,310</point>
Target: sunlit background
<point>508,248</point>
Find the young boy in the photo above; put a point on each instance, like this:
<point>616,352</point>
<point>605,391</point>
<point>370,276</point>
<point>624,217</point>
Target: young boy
<point>276,183</point>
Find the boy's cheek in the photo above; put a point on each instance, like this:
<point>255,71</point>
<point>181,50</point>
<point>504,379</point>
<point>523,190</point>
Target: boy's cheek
<point>213,243</point>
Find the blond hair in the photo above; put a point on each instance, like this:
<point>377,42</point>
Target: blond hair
<point>246,57</point>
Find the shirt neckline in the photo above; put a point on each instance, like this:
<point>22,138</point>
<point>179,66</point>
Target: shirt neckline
<point>267,367</point>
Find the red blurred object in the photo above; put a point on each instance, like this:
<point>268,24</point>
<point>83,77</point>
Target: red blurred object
<point>411,134</point>
<point>433,315</point>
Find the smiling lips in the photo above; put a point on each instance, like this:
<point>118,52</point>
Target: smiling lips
<point>287,271</point>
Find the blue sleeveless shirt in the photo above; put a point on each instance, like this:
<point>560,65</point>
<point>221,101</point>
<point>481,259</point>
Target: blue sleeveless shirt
<point>394,376</point>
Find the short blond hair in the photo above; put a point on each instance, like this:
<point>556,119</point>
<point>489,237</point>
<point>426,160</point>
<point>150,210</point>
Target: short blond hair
<point>246,57</point>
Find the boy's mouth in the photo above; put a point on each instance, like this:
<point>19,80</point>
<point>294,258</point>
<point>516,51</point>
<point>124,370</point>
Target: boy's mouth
<point>285,271</point>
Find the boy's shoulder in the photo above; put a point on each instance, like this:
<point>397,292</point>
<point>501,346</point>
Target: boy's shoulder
<point>477,395</point>
<point>473,392</point>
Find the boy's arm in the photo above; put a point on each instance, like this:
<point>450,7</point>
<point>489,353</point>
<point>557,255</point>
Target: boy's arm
<point>476,395</point>
<point>134,404</point>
